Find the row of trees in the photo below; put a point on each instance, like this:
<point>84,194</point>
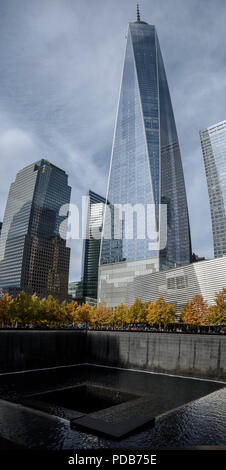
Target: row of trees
<point>30,310</point>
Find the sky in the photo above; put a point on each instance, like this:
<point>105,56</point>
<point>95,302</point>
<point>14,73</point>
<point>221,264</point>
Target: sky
<point>60,70</point>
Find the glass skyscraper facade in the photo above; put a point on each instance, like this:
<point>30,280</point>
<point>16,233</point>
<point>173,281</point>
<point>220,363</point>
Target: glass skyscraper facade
<point>146,167</point>
<point>75,290</point>
<point>91,244</point>
<point>33,252</point>
<point>213,142</point>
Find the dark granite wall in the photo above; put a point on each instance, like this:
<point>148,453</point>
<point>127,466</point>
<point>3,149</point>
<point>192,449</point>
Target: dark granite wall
<point>33,349</point>
<point>180,354</point>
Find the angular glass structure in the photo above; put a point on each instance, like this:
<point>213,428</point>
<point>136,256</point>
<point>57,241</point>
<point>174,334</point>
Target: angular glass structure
<point>146,167</point>
<point>213,141</point>
<point>75,290</point>
<point>91,245</point>
<point>33,252</point>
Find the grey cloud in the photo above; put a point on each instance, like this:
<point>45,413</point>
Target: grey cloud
<point>60,72</point>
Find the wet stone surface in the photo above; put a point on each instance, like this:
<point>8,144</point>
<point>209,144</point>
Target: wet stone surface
<point>201,421</point>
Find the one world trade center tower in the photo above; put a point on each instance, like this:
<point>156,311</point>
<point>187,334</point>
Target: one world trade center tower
<point>146,168</point>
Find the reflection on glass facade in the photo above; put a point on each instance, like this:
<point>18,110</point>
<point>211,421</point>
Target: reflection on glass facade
<point>75,290</point>
<point>146,163</point>
<point>91,244</point>
<point>33,256</point>
<point>115,278</point>
<point>213,141</point>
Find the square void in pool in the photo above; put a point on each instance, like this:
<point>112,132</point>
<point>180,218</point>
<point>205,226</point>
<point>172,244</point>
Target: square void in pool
<point>84,398</point>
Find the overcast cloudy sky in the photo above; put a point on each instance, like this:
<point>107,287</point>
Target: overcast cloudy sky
<point>60,67</point>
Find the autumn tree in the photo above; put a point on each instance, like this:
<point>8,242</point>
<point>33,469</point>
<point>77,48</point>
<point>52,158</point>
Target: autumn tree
<point>5,302</point>
<point>136,313</point>
<point>82,314</point>
<point>69,312</point>
<point>147,308</point>
<point>146,305</point>
<point>35,310</point>
<point>195,311</point>
<point>217,312</point>
<point>50,311</point>
<point>120,314</point>
<point>103,314</point>
<point>160,312</point>
<point>169,315</point>
<point>93,315</point>
<point>21,309</point>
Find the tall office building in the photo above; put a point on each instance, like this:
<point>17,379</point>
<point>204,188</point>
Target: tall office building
<point>91,244</point>
<point>33,252</point>
<point>213,141</point>
<point>146,167</point>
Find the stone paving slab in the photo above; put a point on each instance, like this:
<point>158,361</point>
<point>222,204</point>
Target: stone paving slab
<point>113,431</point>
<point>46,407</point>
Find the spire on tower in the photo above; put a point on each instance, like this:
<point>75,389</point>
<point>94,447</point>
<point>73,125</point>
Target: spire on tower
<point>138,13</point>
